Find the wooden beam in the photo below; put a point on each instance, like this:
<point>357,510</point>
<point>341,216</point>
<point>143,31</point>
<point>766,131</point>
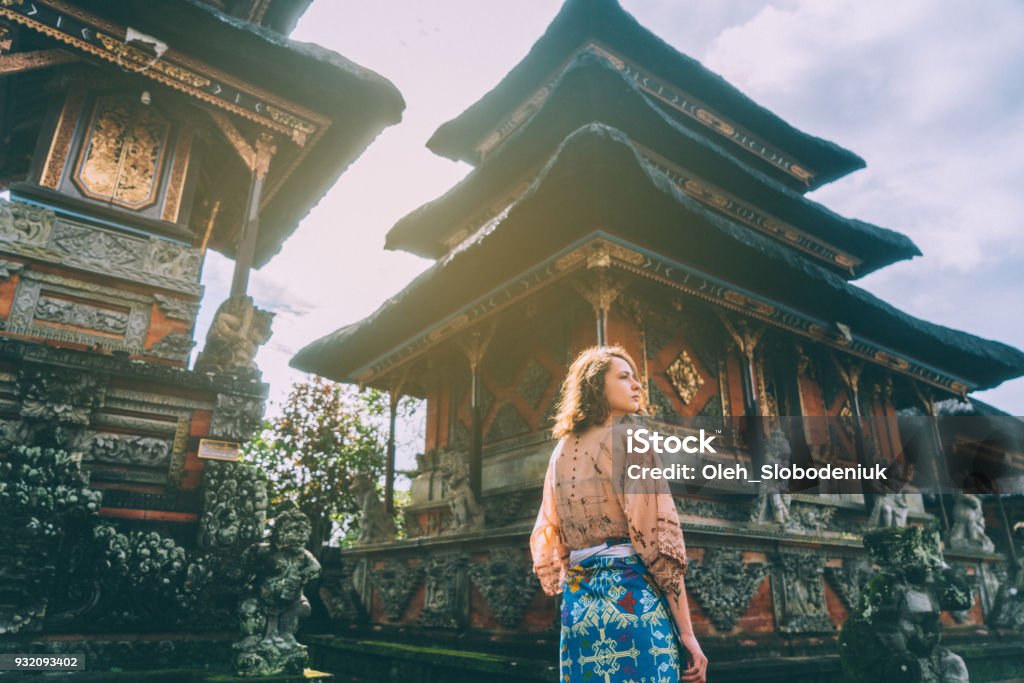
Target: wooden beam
<point>244,255</point>
<point>20,62</point>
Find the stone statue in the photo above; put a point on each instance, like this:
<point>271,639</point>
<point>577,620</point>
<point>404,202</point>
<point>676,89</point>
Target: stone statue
<point>889,510</point>
<point>375,524</point>
<point>893,634</point>
<point>269,615</point>
<point>236,334</point>
<point>772,504</point>
<point>968,530</point>
<point>466,512</point>
<point>1009,603</point>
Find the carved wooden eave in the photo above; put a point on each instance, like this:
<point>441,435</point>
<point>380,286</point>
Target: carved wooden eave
<point>253,89</point>
<point>107,41</point>
<point>592,90</point>
<point>626,257</point>
<point>199,81</point>
<point>20,62</point>
<point>718,125</point>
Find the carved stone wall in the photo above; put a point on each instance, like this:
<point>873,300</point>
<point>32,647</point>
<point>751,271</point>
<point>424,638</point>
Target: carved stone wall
<point>88,303</point>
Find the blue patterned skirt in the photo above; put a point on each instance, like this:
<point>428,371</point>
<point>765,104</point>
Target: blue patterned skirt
<point>616,625</point>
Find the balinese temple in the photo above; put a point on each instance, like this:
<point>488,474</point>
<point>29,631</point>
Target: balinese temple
<point>623,193</point>
<point>136,137</point>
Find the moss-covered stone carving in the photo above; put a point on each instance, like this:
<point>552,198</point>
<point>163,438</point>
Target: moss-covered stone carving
<point>894,633</point>
<point>269,614</point>
<point>43,494</point>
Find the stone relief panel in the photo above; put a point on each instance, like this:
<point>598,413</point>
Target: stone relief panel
<point>174,346</point>
<point>236,417</point>
<point>38,233</point>
<point>177,309</point>
<point>24,223</point>
<point>724,585</point>
<point>60,395</point>
<point>447,596</point>
<point>798,594</point>
<point>52,309</point>
<point>65,309</point>
<point>395,582</point>
<point>126,449</point>
<point>506,581</point>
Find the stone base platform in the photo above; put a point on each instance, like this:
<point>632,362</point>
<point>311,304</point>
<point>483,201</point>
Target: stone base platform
<point>168,676</point>
<point>356,660</point>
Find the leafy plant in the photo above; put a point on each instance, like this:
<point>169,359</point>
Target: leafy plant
<point>326,434</point>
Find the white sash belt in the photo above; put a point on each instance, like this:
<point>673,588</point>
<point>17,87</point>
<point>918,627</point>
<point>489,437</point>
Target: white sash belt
<point>603,550</point>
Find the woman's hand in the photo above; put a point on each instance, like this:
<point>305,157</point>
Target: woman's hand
<point>698,669</point>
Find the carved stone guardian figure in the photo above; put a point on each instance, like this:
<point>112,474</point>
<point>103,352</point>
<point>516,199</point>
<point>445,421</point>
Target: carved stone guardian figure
<point>772,504</point>
<point>889,510</point>
<point>466,512</point>
<point>968,530</point>
<point>1008,611</point>
<point>375,524</point>
<point>236,334</point>
<point>893,634</point>
<point>269,615</point>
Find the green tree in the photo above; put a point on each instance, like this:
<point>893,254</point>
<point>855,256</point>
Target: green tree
<point>326,434</point>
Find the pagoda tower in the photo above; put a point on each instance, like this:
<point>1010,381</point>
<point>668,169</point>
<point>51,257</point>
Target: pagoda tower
<point>622,193</point>
<point>136,136</point>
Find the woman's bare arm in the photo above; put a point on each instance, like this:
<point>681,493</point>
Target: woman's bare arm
<point>697,671</point>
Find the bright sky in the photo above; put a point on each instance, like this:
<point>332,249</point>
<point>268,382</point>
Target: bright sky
<point>929,95</point>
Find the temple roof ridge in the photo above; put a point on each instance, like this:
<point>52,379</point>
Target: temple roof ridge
<point>862,247</point>
<point>436,297</point>
<point>714,105</point>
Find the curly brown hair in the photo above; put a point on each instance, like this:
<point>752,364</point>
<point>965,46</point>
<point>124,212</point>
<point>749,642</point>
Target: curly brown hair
<point>583,403</point>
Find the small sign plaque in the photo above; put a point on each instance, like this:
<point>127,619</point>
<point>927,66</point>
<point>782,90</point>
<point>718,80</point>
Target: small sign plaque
<point>212,449</point>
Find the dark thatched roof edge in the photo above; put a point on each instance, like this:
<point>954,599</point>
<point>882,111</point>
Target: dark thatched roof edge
<point>405,230</point>
<point>316,356</point>
<point>605,20</point>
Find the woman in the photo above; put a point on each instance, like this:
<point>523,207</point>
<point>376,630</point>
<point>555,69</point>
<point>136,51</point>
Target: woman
<point>615,553</point>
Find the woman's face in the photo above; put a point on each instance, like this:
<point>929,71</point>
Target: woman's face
<point>622,388</point>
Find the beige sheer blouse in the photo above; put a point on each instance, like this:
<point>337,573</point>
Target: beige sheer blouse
<point>581,509</point>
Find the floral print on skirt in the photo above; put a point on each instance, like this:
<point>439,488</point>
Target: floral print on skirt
<point>616,625</point>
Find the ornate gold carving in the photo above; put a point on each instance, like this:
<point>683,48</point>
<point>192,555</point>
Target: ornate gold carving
<point>891,360</point>
<point>179,171</point>
<point>451,326</point>
<point>628,255</point>
<point>474,343</point>
<point>828,335</point>
<point>599,256</point>
<point>684,377</point>
<point>600,291</point>
<point>743,335</point>
<point>60,143</point>
<point>255,157</point>
<point>37,59</point>
<point>181,74</point>
<point>746,302</point>
<point>123,152</point>
<point>525,111</point>
<point>300,130</point>
<point>571,260</point>
<point>714,121</point>
<point>264,152</point>
<point>737,209</point>
<point>137,60</point>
